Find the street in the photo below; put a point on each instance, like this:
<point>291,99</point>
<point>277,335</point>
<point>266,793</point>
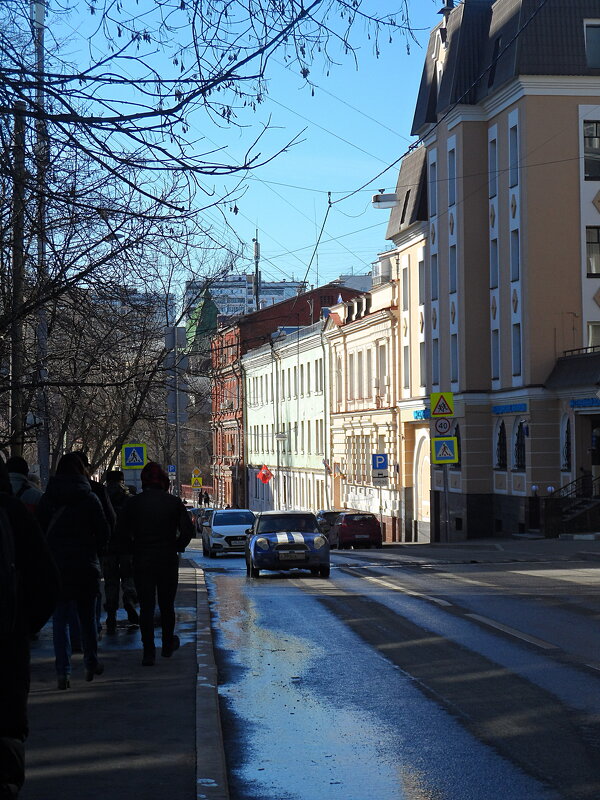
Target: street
<point>401,679</point>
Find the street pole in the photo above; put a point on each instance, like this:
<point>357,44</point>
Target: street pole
<point>18,269</point>
<point>256,272</point>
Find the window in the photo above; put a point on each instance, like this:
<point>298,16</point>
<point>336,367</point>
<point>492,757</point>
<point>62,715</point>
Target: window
<point>452,268</point>
<point>493,167</point>
<point>513,154</point>
<point>308,379</point>
<point>433,189</point>
<point>404,207</point>
<point>519,456</point>
<point>515,267</point>
<point>351,377</point>
<point>592,236</point>
<point>422,363</point>
<point>516,349</point>
<point>501,453</point>
<point>359,375</point>
<point>591,150</point>
<point>301,380</point>
<point>495,354</point>
<point>454,357</point>
<point>494,264</point>
<point>435,362</point>
<point>592,45</point>
<point>435,280</point>
<point>565,456</point>
<point>405,289</point>
<point>495,54</point>
<point>382,370</point>
<point>369,387</point>
<point>421,282</point>
<point>594,334</point>
<point>451,177</point>
<point>406,366</point>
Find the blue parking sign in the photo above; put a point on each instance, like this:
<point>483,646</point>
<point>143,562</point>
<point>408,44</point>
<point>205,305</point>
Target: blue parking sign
<point>379,460</point>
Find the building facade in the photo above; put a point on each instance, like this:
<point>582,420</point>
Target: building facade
<point>508,111</point>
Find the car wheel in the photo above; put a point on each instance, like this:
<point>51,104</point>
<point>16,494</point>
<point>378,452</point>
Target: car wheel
<point>211,553</point>
<point>324,571</point>
<point>314,570</point>
<point>254,571</point>
<point>204,548</point>
<point>247,568</point>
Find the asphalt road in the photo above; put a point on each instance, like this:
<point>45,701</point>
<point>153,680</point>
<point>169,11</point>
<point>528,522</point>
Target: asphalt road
<point>403,678</point>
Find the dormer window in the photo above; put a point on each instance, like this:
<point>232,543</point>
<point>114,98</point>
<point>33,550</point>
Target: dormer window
<point>592,44</point>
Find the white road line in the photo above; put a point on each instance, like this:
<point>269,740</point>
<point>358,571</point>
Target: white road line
<point>404,590</point>
<point>513,632</point>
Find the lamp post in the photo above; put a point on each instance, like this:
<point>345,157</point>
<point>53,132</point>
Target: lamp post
<point>279,437</point>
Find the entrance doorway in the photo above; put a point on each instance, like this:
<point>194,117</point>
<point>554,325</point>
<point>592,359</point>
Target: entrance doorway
<point>422,489</point>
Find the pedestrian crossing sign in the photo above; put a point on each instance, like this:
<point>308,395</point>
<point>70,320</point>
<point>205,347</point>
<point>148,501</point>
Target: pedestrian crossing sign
<point>133,456</point>
<point>444,450</point>
<point>442,404</point>
<point>196,481</point>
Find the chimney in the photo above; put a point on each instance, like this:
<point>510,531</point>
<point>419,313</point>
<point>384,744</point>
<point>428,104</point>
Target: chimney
<point>446,10</point>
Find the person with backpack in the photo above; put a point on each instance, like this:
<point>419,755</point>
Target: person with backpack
<point>77,532</point>
<point>29,589</point>
<point>155,527</point>
<point>117,567</point>
<point>18,470</point>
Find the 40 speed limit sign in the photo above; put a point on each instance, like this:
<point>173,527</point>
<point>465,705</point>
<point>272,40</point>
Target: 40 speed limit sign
<point>442,425</point>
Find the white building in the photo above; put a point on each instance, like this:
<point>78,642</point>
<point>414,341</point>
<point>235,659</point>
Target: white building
<point>286,420</point>
<point>234,294</point>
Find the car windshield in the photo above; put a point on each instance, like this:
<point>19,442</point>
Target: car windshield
<point>234,518</point>
<point>306,523</point>
<point>359,518</point>
<point>331,516</point>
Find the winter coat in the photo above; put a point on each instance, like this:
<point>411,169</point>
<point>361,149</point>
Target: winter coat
<point>118,496</point>
<point>154,524</point>
<point>76,530</point>
<point>24,490</point>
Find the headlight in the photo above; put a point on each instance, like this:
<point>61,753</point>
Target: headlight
<point>217,535</point>
<point>319,541</point>
<point>263,544</point>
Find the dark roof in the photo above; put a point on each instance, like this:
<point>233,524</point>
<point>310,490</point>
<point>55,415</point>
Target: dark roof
<point>577,371</point>
<point>524,37</point>
<point>411,191</point>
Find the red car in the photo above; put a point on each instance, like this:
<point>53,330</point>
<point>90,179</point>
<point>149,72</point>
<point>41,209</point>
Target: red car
<point>357,529</point>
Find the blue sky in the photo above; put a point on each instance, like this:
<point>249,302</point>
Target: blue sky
<point>357,123</point>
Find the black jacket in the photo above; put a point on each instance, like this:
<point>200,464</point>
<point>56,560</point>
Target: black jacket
<point>154,523</point>
<point>76,530</point>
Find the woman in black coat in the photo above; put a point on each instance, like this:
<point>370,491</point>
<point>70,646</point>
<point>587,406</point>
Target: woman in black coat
<point>77,532</point>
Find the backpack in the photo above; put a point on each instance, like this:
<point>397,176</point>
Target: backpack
<point>8,577</point>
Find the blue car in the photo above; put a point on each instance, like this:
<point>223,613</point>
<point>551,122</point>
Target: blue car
<point>284,540</point>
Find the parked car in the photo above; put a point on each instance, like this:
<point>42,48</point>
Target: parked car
<point>325,520</point>
<point>357,529</point>
<point>195,514</point>
<point>224,530</point>
<point>284,540</point>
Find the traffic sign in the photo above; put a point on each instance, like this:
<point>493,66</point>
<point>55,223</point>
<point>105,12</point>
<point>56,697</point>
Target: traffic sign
<point>379,480</point>
<point>444,450</point>
<point>196,481</point>
<point>379,461</point>
<point>442,425</point>
<point>442,404</point>
<point>171,468</point>
<point>196,471</point>
<point>133,456</point>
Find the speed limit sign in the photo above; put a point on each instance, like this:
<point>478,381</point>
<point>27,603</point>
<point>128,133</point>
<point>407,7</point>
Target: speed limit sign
<point>442,425</point>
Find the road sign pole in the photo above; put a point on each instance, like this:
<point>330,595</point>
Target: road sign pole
<point>446,503</point>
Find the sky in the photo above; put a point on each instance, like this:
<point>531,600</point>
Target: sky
<point>357,123</point>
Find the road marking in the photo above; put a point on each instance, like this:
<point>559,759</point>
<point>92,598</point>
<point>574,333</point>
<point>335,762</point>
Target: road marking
<point>394,587</point>
<point>513,632</point>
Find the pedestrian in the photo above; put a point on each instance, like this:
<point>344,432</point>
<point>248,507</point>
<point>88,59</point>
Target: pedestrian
<point>155,527</point>
<point>117,568</point>
<point>22,487</point>
<point>29,587</point>
<point>206,499</point>
<point>77,532</point>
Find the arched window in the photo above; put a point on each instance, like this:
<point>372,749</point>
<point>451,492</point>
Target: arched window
<point>565,441</point>
<point>501,452</point>
<point>519,441</point>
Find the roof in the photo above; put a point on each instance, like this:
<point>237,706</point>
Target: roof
<point>576,371</point>
<point>491,42</point>
<point>411,191</point>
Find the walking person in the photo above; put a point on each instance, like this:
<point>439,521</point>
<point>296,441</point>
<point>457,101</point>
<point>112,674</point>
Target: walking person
<point>29,587</point>
<point>117,567</point>
<point>22,487</point>
<point>155,527</point>
<point>206,499</point>
<point>77,532</point>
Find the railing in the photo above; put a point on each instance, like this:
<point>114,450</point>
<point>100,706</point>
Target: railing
<point>582,351</point>
<point>585,486</point>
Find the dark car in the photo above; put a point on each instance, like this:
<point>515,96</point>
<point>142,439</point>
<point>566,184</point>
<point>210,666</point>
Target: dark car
<point>357,529</point>
<point>284,540</point>
<point>325,520</point>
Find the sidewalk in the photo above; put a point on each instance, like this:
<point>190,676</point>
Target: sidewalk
<point>134,733</point>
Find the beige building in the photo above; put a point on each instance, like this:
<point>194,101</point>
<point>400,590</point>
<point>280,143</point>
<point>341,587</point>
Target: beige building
<point>377,358</point>
<point>509,112</point>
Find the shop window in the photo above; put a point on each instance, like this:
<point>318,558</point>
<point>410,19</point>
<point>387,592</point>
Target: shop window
<point>501,450</point>
<point>519,453</point>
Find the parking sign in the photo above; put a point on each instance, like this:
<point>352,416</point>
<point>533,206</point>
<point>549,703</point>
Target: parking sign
<point>379,461</point>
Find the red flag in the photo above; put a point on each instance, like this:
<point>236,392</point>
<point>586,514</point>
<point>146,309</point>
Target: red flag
<point>264,474</point>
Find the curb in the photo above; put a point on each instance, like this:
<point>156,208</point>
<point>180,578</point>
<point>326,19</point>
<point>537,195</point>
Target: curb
<point>211,768</point>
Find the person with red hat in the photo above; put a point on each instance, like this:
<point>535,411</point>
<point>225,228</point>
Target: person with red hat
<point>154,527</point>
